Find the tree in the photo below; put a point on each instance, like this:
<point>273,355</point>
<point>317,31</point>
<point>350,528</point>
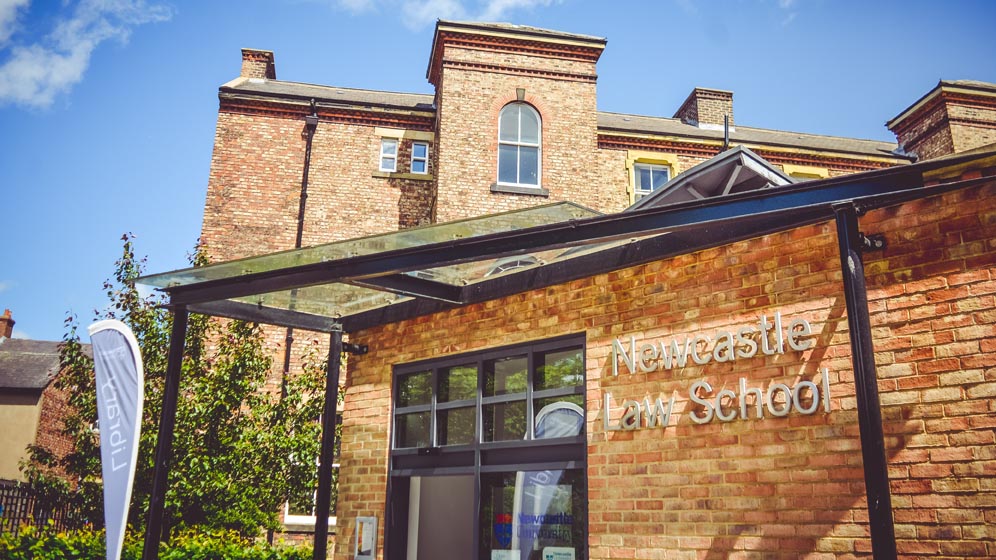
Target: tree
<point>239,449</point>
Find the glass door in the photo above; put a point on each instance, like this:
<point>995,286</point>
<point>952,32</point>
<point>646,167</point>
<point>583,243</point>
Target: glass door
<point>440,517</point>
<point>488,456</point>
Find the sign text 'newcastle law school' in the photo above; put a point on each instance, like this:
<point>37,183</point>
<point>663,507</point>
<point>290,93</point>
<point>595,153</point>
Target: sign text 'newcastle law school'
<point>767,337</point>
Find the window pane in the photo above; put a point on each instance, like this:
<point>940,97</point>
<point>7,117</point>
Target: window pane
<point>504,421</point>
<point>456,426</point>
<point>529,127</point>
<point>505,375</point>
<point>388,147</point>
<point>387,164</point>
<point>412,430</point>
<point>563,368</point>
<point>458,383</point>
<point>531,512</point>
<point>528,166</point>
<point>415,389</point>
<point>507,164</point>
<point>302,500</point>
<point>508,124</point>
<point>660,177</point>
<point>643,180</point>
<point>419,150</point>
<point>418,166</point>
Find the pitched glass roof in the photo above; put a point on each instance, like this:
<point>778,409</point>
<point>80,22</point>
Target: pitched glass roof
<point>349,296</point>
<point>404,239</point>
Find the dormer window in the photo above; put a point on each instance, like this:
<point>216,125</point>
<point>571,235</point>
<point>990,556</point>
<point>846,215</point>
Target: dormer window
<point>519,146</point>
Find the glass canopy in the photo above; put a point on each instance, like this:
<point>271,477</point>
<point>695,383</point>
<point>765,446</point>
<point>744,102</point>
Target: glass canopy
<point>350,296</point>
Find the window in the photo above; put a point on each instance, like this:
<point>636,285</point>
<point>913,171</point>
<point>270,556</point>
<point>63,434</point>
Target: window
<point>420,157</point>
<point>389,154</point>
<point>491,444</point>
<point>519,145</point>
<point>648,178</point>
<point>299,509</point>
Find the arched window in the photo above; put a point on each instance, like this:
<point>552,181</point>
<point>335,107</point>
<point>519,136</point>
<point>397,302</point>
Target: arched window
<point>519,145</point>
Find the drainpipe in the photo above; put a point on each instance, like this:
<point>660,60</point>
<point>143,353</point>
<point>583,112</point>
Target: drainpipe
<point>310,124</point>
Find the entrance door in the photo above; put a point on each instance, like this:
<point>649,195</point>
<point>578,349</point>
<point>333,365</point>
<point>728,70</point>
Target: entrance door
<point>441,517</point>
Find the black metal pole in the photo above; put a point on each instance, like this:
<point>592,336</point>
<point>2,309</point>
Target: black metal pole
<point>883,534</point>
<point>325,457</point>
<point>164,442</point>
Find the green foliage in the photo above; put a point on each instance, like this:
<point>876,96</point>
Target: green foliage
<point>239,448</point>
<point>88,544</point>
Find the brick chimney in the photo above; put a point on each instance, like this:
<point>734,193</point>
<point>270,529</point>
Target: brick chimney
<point>705,108</point>
<point>955,116</point>
<point>6,324</point>
<point>258,64</point>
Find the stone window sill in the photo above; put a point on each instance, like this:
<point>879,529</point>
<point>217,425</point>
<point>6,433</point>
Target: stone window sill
<point>409,176</point>
<point>513,189</point>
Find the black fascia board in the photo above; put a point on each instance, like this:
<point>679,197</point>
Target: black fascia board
<point>779,203</point>
<point>408,285</point>
<point>267,315</point>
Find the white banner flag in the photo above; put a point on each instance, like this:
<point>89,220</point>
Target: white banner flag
<point>117,361</point>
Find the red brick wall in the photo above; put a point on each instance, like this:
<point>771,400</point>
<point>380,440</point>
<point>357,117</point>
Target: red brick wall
<point>54,407</point>
<point>776,487</point>
<point>470,96</point>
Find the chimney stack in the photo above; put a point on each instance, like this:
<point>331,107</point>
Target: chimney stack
<point>258,64</point>
<point>955,116</point>
<point>6,324</point>
<point>705,108</point>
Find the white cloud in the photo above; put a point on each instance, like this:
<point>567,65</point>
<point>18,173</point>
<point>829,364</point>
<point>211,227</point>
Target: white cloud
<point>418,14</point>
<point>358,6</point>
<point>498,10</point>
<point>33,75</point>
<point>17,333</point>
<point>4,286</point>
<point>8,17</point>
<point>789,7</point>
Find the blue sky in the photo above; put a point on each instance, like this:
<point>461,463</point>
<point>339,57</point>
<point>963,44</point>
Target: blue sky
<point>108,107</point>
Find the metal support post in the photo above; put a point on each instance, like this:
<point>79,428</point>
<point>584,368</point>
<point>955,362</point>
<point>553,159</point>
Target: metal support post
<point>164,442</point>
<point>325,457</point>
<point>866,384</point>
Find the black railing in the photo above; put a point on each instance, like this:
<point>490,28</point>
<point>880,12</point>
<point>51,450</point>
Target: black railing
<point>19,505</point>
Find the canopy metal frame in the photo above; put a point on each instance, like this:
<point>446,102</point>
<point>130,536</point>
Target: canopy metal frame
<point>654,234</point>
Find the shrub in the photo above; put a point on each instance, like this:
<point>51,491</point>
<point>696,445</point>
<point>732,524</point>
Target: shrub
<point>87,544</point>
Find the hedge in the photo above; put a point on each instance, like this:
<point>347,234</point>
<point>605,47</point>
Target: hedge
<point>47,544</point>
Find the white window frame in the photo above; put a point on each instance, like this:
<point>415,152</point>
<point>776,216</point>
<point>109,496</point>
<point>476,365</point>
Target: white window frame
<point>384,143</point>
<point>520,144</point>
<point>293,519</point>
<point>424,159</point>
<point>639,193</point>
<point>290,519</point>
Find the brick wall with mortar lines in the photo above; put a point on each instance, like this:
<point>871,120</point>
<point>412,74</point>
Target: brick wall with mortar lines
<point>468,134</point>
<point>54,409</point>
<point>972,126</point>
<point>254,192</point>
<point>926,133</point>
<point>779,487</point>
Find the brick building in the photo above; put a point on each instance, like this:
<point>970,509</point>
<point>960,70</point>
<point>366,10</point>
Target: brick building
<point>31,406</point>
<point>676,359</point>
